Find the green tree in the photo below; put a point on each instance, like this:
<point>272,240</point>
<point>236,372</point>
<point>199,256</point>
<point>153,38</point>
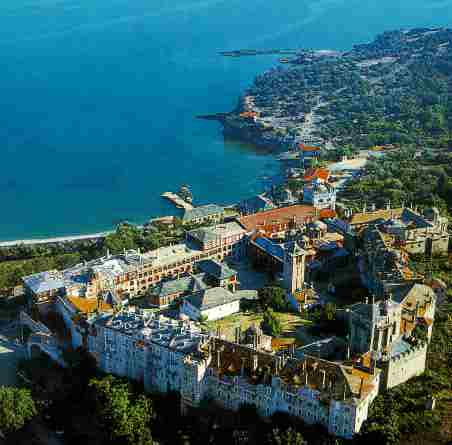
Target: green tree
<point>16,408</point>
<point>271,323</point>
<point>274,297</point>
<point>287,437</point>
<point>329,312</point>
<point>385,431</point>
<point>125,417</point>
<point>247,414</point>
<point>126,237</point>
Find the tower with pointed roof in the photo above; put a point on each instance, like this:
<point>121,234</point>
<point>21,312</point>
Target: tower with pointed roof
<point>294,267</point>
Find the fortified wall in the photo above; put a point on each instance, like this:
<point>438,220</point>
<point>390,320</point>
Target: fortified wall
<point>402,367</point>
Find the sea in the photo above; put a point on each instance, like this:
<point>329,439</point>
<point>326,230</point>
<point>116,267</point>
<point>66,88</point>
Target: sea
<point>98,99</point>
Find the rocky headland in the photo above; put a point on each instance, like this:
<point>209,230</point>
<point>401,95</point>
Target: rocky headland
<point>394,90</point>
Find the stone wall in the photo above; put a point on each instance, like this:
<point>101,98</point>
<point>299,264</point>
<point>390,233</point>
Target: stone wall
<point>440,244</point>
<point>401,368</point>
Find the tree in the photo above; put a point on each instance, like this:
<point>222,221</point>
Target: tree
<point>384,432</point>
<point>126,237</point>
<point>16,408</point>
<point>271,323</point>
<point>247,414</point>
<point>287,437</point>
<point>274,297</point>
<point>329,312</point>
<point>125,417</point>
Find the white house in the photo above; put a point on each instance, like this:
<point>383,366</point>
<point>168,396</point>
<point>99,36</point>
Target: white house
<point>214,303</point>
<point>320,194</point>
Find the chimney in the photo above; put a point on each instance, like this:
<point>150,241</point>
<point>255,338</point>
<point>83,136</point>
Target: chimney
<point>372,363</point>
<point>242,368</point>
<point>238,335</point>
<point>218,359</point>
<point>255,362</point>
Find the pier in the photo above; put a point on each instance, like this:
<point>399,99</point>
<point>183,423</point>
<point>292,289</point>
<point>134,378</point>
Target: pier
<point>214,117</point>
<point>259,52</point>
<point>177,201</point>
<point>288,156</point>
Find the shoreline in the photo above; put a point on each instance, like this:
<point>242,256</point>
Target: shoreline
<point>56,240</point>
<point>340,166</point>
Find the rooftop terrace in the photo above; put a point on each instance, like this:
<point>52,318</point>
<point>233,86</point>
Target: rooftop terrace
<point>148,327</point>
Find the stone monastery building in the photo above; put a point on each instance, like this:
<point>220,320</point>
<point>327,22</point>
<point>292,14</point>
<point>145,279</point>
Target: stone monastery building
<point>167,354</point>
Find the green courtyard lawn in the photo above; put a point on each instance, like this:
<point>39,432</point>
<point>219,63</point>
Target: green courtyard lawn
<point>291,323</point>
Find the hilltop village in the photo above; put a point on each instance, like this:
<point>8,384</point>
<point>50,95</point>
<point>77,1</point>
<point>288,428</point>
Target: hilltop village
<point>175,318</point>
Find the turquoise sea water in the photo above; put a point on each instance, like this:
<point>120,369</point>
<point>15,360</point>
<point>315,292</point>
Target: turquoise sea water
<point>98,98</point>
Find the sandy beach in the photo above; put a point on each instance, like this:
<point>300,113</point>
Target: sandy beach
<point>61,239</point>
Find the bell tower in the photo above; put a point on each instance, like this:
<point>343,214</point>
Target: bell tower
<point>294,268</point>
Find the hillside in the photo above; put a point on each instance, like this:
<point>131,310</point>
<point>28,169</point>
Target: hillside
<point>394,90</point>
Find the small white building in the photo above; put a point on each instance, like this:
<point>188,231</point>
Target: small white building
<point>213,304</point>
<point>320,194</point>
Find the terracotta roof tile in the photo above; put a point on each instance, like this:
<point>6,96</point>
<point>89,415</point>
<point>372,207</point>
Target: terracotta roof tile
<point>327,213</point>
<point>303,147</point>
<point>316,173</point>
<point>89,305</point>
<point>270,219</point>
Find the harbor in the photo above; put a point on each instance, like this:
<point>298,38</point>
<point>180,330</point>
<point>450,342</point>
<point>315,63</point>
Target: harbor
<point>182,199</point>
<point>177,201</point>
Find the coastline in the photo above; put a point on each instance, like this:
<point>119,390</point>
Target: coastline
<point>56,240</point>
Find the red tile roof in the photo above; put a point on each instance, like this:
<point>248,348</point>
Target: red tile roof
<point>248,114</point>
<point>303,147</point>
<point>316,173</point>
<point>327,213</point>
<point>274,220</point>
